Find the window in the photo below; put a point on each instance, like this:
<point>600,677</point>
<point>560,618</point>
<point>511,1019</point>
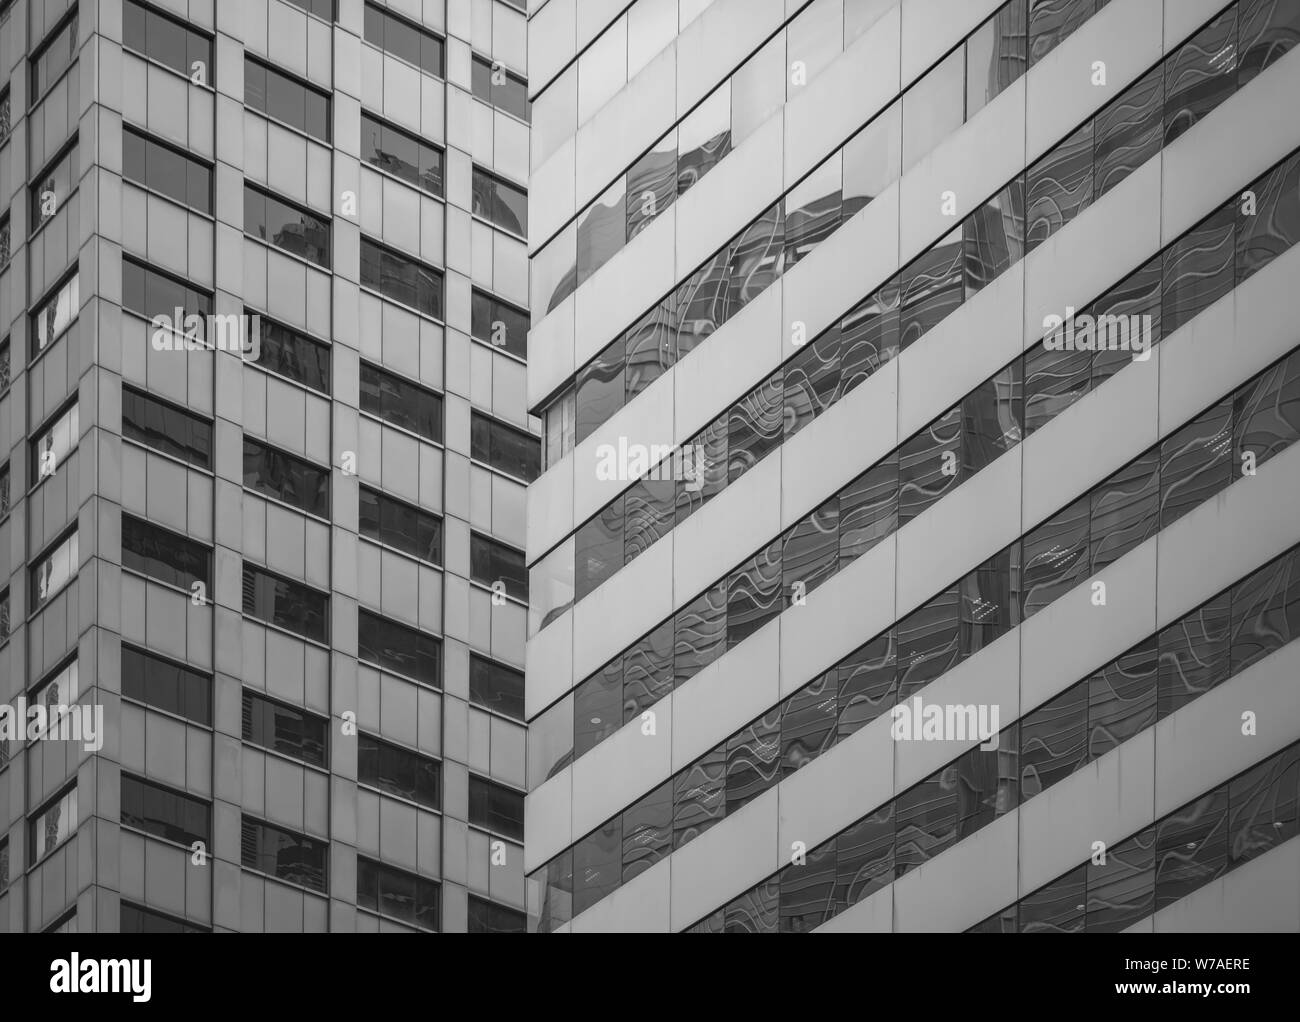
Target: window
<point>163,555</point>
<point>134,919</point>
<point>399,771</point>
<point>166,428</point>
<point>504,205</point>
<point>4,241</point>
<point>283,350</point>
<point>401,402</point>
<point>5,123</point>
<point>400,526</point>
<point>165,813</point>
<point>493,84</point>
<point>52,446</point>
<point>167,40</point>
<point>286,604</point>
<point>56,314</point>
<point>397,648</point>
<point>54,570</point>
<point>320,8</point>
<point>273,473</point>
<point>300,106</point>
<point>54,56</point>
<point>57,692</point>
<point>4,621</point>
<point>285,729</point>
<point>499,324</point>
<point>397,894</point>
<point>168,686</point>
<point>283,854</point>
<point>4,864</point>
<point>170,172</point>
<point>488,917</point>
<point>496,687</point>
<point>496,807</point>
<point>4,490</point>
<point>404,39</point>
<point>148,293</point>
<point>286,226</point>
<point>52,825</point>
<point>4,365</point>
<point>401,278</point>
<point>491,562</point>
<point>506,449</point>
<point>401,154</point>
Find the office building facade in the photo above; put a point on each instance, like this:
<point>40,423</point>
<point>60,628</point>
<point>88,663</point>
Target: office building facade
<point>264,448</point>
<point>915,546</point>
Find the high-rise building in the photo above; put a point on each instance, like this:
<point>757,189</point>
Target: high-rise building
<point>915,546</point>
<point>264,447</point>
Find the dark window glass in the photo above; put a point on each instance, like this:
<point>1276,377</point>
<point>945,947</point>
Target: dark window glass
<point>166,40</point>
<point>134,919</point>
<point>1262,807</point>
<point>4,490</point>
<point>285,729</point>
<point>493,84</point>
<point>285,351</point>
<point>283,854</point>
<point>868,684</point>
<point>812,381</point>
<point>1054,740</point>
<point>149,293</point>
<point>166,685</point>
<point>399,771</point>
<point>926,819</point>
<point>1054,380</point>
<point>400,525</point>
<point>1125,510</point>
<point>500,203</point>
<point>699,796</point>
<point>397,894</point>
<point>5,117</point>
<point>1266,412</point>
<point>649,513</point>
<point>1196,462</point>
<point>755,259</point>
<point>931,287</point>
<point>286,226</point>
<point>599,548</point>
<point>929,642</point>
<point>52,189</point>
<point>600,391</point>
<point>274,473</point>
<point>709,468</point>
<point>489,917</point>
<point>286,604</point>
<point>988,603</point>
<point>864,857</point>
<point>501,325</point>
<point>812,211</point>
<point>1122,891</point>
<point>404,39</point>
<point>168,171</point>
<point>597,868</point>
<point>53,824</point>
<point>1057,907</point>
<point>929,465</point>
<point>166,428</point>
<point>995,55</point>
<point>56,313</point>
<point>647,831</point>
<point>754,426</point>
<point>1194,654</point>
<point>1191,847</point>
<point>810,553</point>
<point>993,237</point>
<point>54,569</point>
<point>1122,698</point>
<point>699,633</point>
<point>506,449</point>
<point>496,807</point>
<point>556,880</point>
<point>54,56</point>
<point>754,593</point>
<point>401,278</point>
<point>868,509</point>
<point>1274,225</point>
<point>398,648</point>
<point>1198,269</point>
<point>1268,30</point>
<point>401,154</point>
<point>1051,21</point>
<point>496,686</point>
<point>1201,74</point>
<point>286,99</point>
<point>164,555</point>
<point>320,8</point>
<point>4,248</point>
<point>401,402</point>
<point>1265,612</point>
<point>1128,132</point>
<point>491,562</point>
<point>165,813</point>
<point>1059,187</point>
<point>807,897</point>
<point>1055,557</point>
<point>598,707</point>
<point>808,725</point>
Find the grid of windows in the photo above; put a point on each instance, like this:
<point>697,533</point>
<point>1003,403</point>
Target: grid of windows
<point>168,40</point>
<point>54,56</point>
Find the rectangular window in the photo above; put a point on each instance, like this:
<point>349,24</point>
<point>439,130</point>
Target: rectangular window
<point>163,555</point>
<point>399,771</point>
<point>53,57</point>
<point>496,808</point>
<point>54,443</point>
<point>134,919</point>
<point>488,917</point>
<point>283,854</point>
<point>52,825</point>
<point>401,154</point>
<point>286,226</point>
<point>491,562</point>
<point>54,570</point>
<point>56,693</point>
<point>5,372</point>
<point>286,604</point>
<point>401,402</point>
<point>506,449</point>
<point>400,649</point>
<point>292,354</point>
<point>167,171</point>
<point>166,428</point>
<point>148,293</point>
<point>500,203</point>
<point>273,473</point>
<point>164,813</point>
<point>397,894</point>
<point>499,324</point>
<point>56,315</point>
<point>496,687</point>
<point>320,8</point>
<point>167,40</point>
<point>300,106</point>
<point>400,526</point>
<point>404,39</point>
<point>5,121</point>
<point>285,729</point>
<point>4,241</point>
<point>504,90</point>
<point>401,278</point>
<point>167,686</point>
<point>4,622</point>
<point>4,490</point>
